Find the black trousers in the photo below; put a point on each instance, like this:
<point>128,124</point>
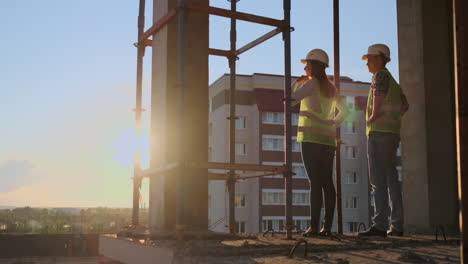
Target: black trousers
<point>318,162</point>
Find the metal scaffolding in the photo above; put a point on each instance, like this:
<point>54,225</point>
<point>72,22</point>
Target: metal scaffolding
<point>281,26</point>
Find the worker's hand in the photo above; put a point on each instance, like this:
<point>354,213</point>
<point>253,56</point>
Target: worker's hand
<point>335,123</point>
<point>371,119</point>
<point>303,79</point>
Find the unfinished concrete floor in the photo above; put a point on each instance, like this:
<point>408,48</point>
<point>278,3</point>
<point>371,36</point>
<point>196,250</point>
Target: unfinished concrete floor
<point>272,250</point>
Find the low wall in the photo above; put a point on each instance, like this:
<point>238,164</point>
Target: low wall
<point>127,251</point>
<point>16,245</point>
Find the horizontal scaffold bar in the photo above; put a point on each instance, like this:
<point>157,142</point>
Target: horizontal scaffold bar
<point>148,42</point>
<point>160,170</point>
<point>237,166</point>
<point>214,165</point>
<point>145,41</point>
<point>258,41</point>
<point>218,52</point>
<point>217,176</point>
<point>225,176</point>
<point>237,15</point>
<point>159,24</point>
<point>257,176</point>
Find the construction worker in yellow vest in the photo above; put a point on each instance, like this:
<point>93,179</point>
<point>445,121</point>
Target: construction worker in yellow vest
<point>386,104</point>
<point>316,131</point>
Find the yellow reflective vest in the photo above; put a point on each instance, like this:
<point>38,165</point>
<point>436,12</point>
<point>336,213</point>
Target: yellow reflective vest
<point>317,127</point>
<point>389,120</point>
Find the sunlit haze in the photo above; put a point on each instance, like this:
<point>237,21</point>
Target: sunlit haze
<point>67,76</point>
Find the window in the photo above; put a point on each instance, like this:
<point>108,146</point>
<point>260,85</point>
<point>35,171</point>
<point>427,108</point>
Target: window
<point>241,122</point>
<point>210,129</point>
<point>351,202</point>
<point>299,171</point>
<point>398,152</point>
<point>276,143</point>
<point>275,118</point>
<point>300,197</point>
<point>239,201</point>
<point>240,227</point>
<point>350,152</point>
<point>267,225</point>
<point>273,197</point>
<point>350,127</point>
<point>352,226</point>
<point>295,146</point>
<point>294,119</point>
<point>351,177</point>
<point>350,102</point>
<point>209,153</point>
<point>275,224</point>
<point>241,149</point>
<point>301,224</point>
<point>270,142</point>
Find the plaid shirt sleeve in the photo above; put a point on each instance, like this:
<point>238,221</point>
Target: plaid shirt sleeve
<point>379,84</point>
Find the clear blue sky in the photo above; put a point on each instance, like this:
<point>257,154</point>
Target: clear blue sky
<point>67,77</point>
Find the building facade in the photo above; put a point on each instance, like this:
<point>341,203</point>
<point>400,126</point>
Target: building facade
<point>259,140</point>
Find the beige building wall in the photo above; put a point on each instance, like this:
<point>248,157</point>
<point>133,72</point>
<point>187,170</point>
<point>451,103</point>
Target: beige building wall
<point>250,135</point>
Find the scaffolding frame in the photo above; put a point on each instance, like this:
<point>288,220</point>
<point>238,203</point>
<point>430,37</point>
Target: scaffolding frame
<point>281,26</point>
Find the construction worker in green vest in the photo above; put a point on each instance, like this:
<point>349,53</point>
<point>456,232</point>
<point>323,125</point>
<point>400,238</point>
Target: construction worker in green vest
<point>386,104</point>
<point>316,131</point>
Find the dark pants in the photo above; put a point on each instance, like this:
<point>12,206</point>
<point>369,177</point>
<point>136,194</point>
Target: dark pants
<point>318,162</point>
<point>381,155</point>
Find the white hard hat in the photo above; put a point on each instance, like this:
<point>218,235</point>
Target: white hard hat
<point>318,55</point>
<point>377,49</point>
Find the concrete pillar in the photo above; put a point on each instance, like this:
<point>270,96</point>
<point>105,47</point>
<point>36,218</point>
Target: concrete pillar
<point>428,133</point>
<point>167,132</point>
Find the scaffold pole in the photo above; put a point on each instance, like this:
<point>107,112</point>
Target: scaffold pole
<point>336,78</point>
<point>137,180</point>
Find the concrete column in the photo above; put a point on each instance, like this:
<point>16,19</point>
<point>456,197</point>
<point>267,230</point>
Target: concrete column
<point>428,132</point>
<point>166,130</point>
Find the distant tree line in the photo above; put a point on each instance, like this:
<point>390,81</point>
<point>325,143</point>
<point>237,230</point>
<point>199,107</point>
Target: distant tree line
<point>64,221</point>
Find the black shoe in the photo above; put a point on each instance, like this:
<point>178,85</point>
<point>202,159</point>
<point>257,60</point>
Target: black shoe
<point>394,232</point>
<point>325,232</point>
<point>310,232</point>
<point>373,232</point>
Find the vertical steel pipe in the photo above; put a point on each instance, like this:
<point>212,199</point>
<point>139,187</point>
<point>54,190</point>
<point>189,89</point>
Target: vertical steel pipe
<point>138,110</point>
<point>287,116</point>
<point>181,190</point>
<point>232,122</point>
<point>460,29</point>
<point>336,78</point>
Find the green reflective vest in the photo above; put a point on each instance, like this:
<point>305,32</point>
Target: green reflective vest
<point>317,127</point>
<point>390,118</point>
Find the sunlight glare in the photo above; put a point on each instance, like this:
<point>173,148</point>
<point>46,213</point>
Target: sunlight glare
<point>126,143</point>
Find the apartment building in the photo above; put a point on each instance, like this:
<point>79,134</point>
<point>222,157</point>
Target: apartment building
<point>259,140</point>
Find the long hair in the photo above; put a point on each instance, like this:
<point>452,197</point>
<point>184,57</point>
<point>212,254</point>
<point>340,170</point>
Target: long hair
<point>318,71</point>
